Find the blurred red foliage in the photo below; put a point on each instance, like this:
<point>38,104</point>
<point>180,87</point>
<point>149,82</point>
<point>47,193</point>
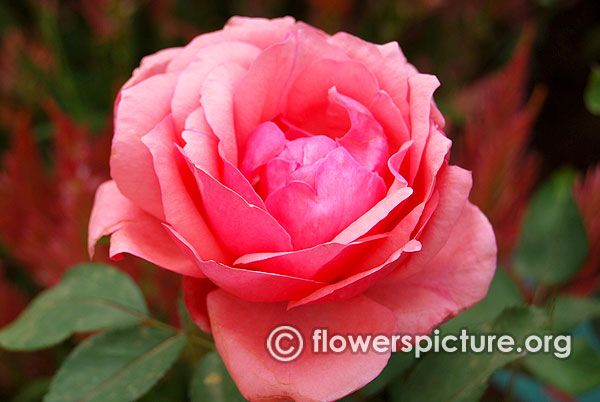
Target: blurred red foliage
<point>586,192</point>
<point>46,208</point>
<point>494,141</point>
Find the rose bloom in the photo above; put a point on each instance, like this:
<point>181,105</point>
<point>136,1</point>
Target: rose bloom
<point>293,177</point>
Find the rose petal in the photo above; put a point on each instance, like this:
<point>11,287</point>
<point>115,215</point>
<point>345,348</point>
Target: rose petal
<point>241,328</point>
<point>249,285</point>
<point>186,97</point>
<point>421,88</point>
<point>324,262</point>
<point>217,101</point>
<point>138,109</point>
<point>455,279</point>
<point>365,140</point>
<point>152,65</point>
<point>265,142</point>
<point>313,216</point>
<point>308,105</point>
<point>242,227</point>
<point>453,185</point>
<point>177,186</point>
<point>358,283</point>
<point>134,231</point>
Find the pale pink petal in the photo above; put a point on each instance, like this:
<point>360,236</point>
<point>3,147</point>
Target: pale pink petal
<point>261,32</point>
<point>324,262</point>
<point>152,65</point>
<point>178,187</point>
<point>217,101</point>
<point>202,149</point>
<point>138,109</point>
<point>249,285</point>
<point>195,291</point>
<point>387,63</point>
<point>313,216</point>
<point>134,231</point>
<point>454,280</point>
<point>188,90</point>
<point>242,227</point>
<point>241,328</point>
<point>258,94</point>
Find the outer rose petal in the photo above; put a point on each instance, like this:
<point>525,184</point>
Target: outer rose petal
<point>134,231</point>
<point>188,90</point>
<point>175,182</point>
<point>249,285</point>
<point>240,330</point>
<point>152,65</point>
<point>138,109</point>
<point>454,280</point>
<point>323,262</point>
<point>453,185</point>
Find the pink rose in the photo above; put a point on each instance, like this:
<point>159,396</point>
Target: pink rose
<point>296,178</point>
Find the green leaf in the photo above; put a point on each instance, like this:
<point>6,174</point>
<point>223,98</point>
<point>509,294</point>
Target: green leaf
<point>34,391</point>
<point>592,91</point>
<point>117,366</point>
<point>211,382</point>
<point>463,376</point>
<point>570,311</point>
<point>553,242</point>
<point>501,294</point>
<point>579,373</point>
<point>90,297</point>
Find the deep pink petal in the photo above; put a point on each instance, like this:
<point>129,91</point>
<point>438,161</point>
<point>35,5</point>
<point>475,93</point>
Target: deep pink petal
<point>249,285</point>
<point>421,88</point>
<point>324,262</point>
<point>138,109</point>
<point>242,227</point>
<point>313,216</point>
<point>265,142</point>
<point>365,140</point>
<point>308,105</point>
<point>454,280</point>
<point>241,328</point>
<point>134,231</point>
<point>178,188</point>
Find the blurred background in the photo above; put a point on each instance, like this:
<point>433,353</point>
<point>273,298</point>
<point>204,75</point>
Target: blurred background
<point>520,92</point>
